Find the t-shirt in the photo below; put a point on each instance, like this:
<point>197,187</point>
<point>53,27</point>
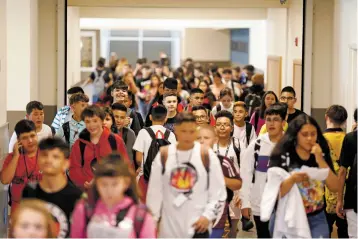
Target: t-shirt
<point>348,153</point>
<point>240,134</point>
<point>144,140</point>
<point>170,124</point>
<point>294,115</point>
<point>229,153</point>
<point>43,134</point>
<point>60,204</point>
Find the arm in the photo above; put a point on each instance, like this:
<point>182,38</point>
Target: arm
<point>9,168</point>
<point>341,181</point>
<point>148,228</point>
<point>78,229</point>
<point>233,183</point>
<point>139,147</point>
<point>155,189</point>
<point>121,147</point>
<point>56,123</point>
<point>139,157</point>
<point>76,172</point>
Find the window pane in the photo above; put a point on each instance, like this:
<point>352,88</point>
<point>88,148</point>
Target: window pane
<point>124,33</point>
<point>86,51</point>
<point>125,49</point>
<point>240,46</point>
<point>150,33</point>
<point>152,49</point>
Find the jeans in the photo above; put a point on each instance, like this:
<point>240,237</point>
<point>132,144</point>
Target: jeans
<point>217,233</point>
<point>318,225</point>
<point>262,228</point>
<point>342,226</point>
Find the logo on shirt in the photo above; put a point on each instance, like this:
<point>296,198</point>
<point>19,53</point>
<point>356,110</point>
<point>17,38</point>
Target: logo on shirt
<point>183,178</point>
<point>60,218</point>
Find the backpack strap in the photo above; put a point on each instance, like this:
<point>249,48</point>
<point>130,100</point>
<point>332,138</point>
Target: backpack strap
<point>248,132</point>
<point>82,150</point>
<point>122,214</point>
<point>113,142</point>
<point>66,131</point>
<point>166,134</point>
<point>257,115</point>
<point>256,156</point>
<point>163,157</point>
<point>150,132</point>
<point>140,214</point>
<point>204,151</point>
<point>237,150</point>
<point>218,108</point>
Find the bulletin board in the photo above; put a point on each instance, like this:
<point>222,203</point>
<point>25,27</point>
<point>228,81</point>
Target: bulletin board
<point>297,81</point>
<point>274,73</point>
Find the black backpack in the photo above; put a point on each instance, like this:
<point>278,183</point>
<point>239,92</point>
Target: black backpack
<point>66,131</point>
<point>252,101</point>
<point>153,150</point>
<point>256,156</point>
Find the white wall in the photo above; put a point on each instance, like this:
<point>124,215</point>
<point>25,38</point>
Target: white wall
<point>277,36</point>
<point>295,29</point>
<point>258,46</point>
<point>21,74</point>
<point>73,46</point>
<point>3,67</point>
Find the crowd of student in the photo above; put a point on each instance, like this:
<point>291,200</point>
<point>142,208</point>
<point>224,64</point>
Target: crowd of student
<point>180,154</point>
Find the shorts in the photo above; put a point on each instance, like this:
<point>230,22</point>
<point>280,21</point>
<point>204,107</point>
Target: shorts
<point>235,212</point>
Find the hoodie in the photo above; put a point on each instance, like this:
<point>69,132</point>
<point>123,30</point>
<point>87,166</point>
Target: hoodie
<point>78,174</point>
<point>254,89</point>
<point>102,218</point>
<point>251,194</point>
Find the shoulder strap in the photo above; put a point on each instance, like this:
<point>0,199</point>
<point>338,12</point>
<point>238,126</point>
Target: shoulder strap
<point>163,157</point>
<point>140,214</point>
<point>166,134</point>
<point>237,150</point>
<point>204,151</point>
<point>82,150</point>
<point>256,156</point>
<point>122,214</point>
<point>257,115</point>
<point>218,108</point>
<point>150,132</point>
<point>66,131</point>
<point>248,132</point>
<point>113,142</point>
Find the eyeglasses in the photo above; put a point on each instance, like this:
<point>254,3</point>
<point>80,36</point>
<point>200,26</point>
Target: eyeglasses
<point>201,117</point>
<point>283,98</point>
<point>273,120</point>
<point>223,125</point>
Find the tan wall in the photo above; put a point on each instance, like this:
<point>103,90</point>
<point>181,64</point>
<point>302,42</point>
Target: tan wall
<point>180,4</point>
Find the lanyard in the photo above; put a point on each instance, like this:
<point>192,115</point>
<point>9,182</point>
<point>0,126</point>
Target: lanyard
<point>27,172</point>
<point>227,149</point>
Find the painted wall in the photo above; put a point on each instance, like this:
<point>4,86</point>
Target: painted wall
<point>3,65</point>
<point>73,46</point>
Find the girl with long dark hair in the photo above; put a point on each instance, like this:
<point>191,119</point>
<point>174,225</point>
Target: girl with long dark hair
<point>258,117</point>
<point>304,145</point>
<point>112,208</point>
<point>109,121</point>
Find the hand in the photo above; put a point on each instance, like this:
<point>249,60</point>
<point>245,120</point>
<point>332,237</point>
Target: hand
<point>201,225</point>
<point>138,170</point>
<point>237,201</point>
<point>88,185</point>
<point>127,121</point>
<point>339,209</point>
<point>16,148</point>
<point>299,177</point>
<point>316,150</point>
<point>246,212</point>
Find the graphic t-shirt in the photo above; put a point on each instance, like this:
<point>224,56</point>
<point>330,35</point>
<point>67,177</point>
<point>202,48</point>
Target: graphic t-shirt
<point>170,124</point>
<point>60,204</point>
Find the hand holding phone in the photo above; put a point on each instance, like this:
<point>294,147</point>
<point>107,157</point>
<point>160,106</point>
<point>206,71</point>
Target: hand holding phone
<point>18,147</point>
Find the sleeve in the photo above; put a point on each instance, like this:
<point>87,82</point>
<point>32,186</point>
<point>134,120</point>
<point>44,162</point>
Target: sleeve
<point>149,227</point>
<point>172,139</point>
<point>246,173</point>
<point>217,189</point>
<point>7,160</point>
<point>78,229</point>
<point>155,189</point>
<point>76,172</point>
<point>12,142</point>
<point>347,154</point>
<point>60,133</point>
<point>263,130</point>
<point>56,121</point>
<point>135,124</point>
<point>139,142</point>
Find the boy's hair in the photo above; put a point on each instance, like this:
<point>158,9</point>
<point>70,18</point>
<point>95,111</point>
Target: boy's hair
<point>289,89</point>
<point>196,91</point>
<point>207,127</point>
<point>337,114</point>
<point>78,97</point>
<point>159,113</point>
<point>184,117</point>
<point>155,62</point>
<point>24,126</point>
<point>118,106</point>
<point>75,90</point>
<point>147,67</point>
<point>120,85</point>
<point>33,105</point>
<point>355,115</point>
<point>200,107</point>
<point>241,104</point>
<point>227,71</point>
<point>277,109</point>
<point>91,111</point>
<point>171,83</point>
<point>101,62</point>
<point>225,114</point>
<point>226,91</point>
<point>55,143</point>
<point>249,68</point>
<point>169,94</point>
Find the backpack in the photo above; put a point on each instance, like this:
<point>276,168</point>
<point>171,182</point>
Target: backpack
<point>204,151</point>
<point>256,156</point>
<point>252,101</point>
<point>153,150</point>
<point>256,121</point>
<point>112,141</point>
<point>66,131</point>
<point>140,213</point>
<point>98,82</point>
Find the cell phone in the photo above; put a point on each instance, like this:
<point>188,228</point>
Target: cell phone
<point>20,149</point>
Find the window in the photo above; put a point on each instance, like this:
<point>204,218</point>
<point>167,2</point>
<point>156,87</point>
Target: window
<point>240,46</point>
<point>88,50</point>
<point>134,44</point>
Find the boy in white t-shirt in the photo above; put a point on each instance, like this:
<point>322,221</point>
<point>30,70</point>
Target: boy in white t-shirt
<point>35,113</point>
<point>144,140</point>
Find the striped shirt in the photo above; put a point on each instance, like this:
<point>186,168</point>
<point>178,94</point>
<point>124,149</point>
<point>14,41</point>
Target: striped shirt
<point>75,130</point>
<point>63,115</point>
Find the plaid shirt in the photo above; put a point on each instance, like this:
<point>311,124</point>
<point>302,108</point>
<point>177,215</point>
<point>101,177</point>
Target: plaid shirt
<point>62,116</point>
